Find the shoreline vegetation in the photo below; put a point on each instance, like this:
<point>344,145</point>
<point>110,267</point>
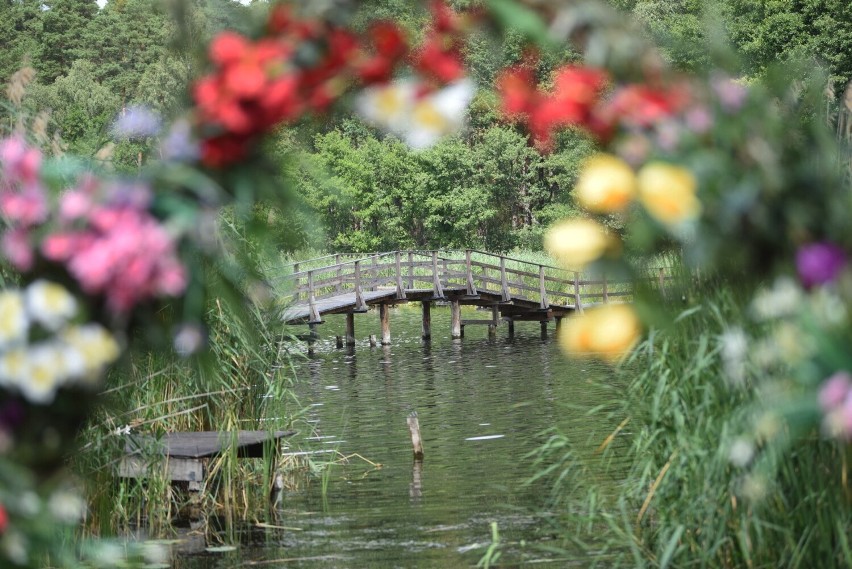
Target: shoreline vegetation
<point>161,173</point>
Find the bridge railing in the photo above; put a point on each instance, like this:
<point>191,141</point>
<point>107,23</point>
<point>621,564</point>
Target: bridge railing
<point>475,271</point>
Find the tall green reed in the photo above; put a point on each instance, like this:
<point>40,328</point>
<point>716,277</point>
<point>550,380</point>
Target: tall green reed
<point>684,499</point>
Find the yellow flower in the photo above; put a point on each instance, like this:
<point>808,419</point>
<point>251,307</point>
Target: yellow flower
<point>13,318</point>
<point>668,193</point>
<point>578,242</point>
<point>608,332</point>
<point>606,184</point>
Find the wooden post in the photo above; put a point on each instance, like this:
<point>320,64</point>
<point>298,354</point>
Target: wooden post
<point>410,270</point>
<point>504,281</point>
<point>545,303</point>
<point>471,287</point>
<point>605,292</point>
<point>437,289</point>
<point>350,329</point>
<point>372,340</point>
<point>384,317</point>
<point>558,324</point>
<point>312,302</point>
<point>359,294</point>
<point>338,341</point>
<point>375,269</point>
<point>414,431</point>
<point>400,289</point>
<point>578,305</point>
<point>543,329</point>
<point>427,319</point>
<point>511,326</point>
<point>298,282</point>
<point>495,316</point>
<point>339,286</point>
<point>455,309</point>
<point>312,337</point>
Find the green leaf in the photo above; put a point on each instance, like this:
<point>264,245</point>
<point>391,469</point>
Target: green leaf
<point>514,16</point>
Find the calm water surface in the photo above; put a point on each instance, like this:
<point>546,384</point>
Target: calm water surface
<point>482,404</point>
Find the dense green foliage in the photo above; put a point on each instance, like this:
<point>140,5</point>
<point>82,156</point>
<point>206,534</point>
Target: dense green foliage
<point>362,190</point>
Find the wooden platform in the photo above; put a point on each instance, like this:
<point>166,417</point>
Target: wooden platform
<point>185,455</point>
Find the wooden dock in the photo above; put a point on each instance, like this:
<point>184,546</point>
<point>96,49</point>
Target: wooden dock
<point>513,289</point>
<point>187,454</point>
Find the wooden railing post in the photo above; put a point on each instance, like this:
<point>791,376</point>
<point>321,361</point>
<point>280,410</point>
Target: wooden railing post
<point>375,269</point>
<point>504,281</point>
<point>578,305</point>
<point>298,281</point>
<point>605,292</point>
<point>359,294</point>
<point>400,289</point>
<point>312,303</point>
<point>410,270</point>
<point>437,289</point>
<point>545,303</point>
<point>471,287</point>
<point>339,286</point>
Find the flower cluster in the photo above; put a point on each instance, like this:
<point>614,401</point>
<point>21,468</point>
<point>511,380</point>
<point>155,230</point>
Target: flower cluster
<point>100,232</point>
<point>257,85</point>
<point>440,56</point>
<point>577,99</point>
<point>69,354</point>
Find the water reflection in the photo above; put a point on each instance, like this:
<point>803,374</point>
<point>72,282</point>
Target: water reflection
<point>483,403</point>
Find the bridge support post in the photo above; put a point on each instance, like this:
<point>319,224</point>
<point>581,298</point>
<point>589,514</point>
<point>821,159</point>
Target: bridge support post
<point>544,329</point>
<point>511,324</point>
<point>384,317</point>
<point>313,335</point>
<point>455,309</point>
<point>427,319</point>
<point>558,324</point>
<point>350,329</point>
<point>492,328</point>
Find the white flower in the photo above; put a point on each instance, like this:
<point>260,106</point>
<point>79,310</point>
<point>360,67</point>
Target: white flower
<point>94,345</point>
<point>783,299</point>
<point>13,366</point>
<point>420,120</point>
<point>43,376</point>
<point>14,322</point>
<point>66,507</point>
<point>50,304</point>
<point>741,452</point>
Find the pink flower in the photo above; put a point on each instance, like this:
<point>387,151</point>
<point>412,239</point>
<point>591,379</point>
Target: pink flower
<point>834,390</point>
<point>74,205</point>
<point>25,208</point>
<point>20,163</point>
<point>16,248</point>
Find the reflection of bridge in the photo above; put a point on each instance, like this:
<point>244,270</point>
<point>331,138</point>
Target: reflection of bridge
<point>513,289</point>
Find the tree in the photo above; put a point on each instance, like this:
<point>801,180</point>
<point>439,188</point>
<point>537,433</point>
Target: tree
<point>62,37</point>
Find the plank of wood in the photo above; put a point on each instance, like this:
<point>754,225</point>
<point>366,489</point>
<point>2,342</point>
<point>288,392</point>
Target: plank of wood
<point>204,444</point>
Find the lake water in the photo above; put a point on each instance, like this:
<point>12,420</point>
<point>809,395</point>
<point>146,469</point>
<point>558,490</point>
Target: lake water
<point>483,405</point>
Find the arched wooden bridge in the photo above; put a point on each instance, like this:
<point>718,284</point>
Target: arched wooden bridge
<point>513,289</point>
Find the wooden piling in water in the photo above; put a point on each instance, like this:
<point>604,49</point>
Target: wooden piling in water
<point>427,320</point>
<point>455,309</point>
<point>414,431</point>
<point>338,341</point>
<point>543,329</point>
<point>372,340</point>
<point>350,329</point>
<point>384,317</point>
<point>511,327</point>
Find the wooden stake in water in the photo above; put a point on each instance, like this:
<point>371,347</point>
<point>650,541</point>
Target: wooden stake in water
<point>414,429</point>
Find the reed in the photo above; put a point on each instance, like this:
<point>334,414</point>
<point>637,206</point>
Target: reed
<point>244,382</point>
<point>680,500</point>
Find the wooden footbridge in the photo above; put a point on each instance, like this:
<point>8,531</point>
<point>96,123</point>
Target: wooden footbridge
<point>512,289</point>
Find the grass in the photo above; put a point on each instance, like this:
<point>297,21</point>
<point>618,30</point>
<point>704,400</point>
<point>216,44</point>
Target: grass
<point>681,502</point>
<point>243,383</point>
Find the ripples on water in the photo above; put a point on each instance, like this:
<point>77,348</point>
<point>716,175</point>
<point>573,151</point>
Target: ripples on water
<point>482,405</point>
